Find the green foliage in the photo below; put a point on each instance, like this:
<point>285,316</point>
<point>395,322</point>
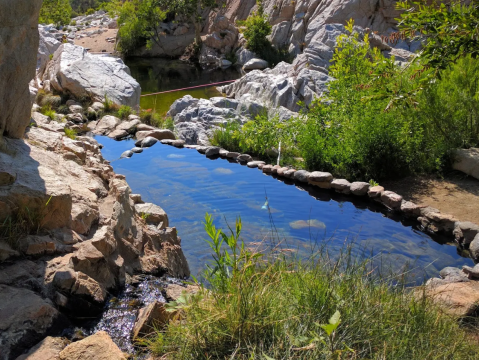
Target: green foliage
<point>139,22</point>
<point>272,307</point>
<point>124,112</point>
<point>448,31</point>
<point>152,118</point>
<point>70,133</point>
<point>140,19</point>
<point>258,137</point>
<point>90,11</point>
<point>365,128</point>
<point>55,12</point>
<point>63,109</point>
<point>110,107</point>
<point>72,23</point>
<point>48,111</point>
<point>84,6</point>
<point>256,29</point>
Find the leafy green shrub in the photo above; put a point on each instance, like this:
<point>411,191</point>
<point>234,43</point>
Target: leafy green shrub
<point>124,111</point>
<point>70,133</point>
<point>256,29</point>
<point>55,12</point>
<point>90,11</point>
<point>73,23</point>
<point>273,307</point>
<point>365,128</point>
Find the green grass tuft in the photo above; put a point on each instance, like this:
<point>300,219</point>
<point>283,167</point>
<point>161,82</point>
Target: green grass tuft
<point>70,133</point>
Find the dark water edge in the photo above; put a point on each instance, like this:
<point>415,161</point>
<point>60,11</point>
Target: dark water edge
<point>157,75</point>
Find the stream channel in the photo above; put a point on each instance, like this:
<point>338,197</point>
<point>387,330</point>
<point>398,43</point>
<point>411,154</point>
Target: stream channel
<point>187,185</point>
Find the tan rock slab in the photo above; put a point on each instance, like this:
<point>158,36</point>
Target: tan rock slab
<point>47,349</point>
<point>96,347</point>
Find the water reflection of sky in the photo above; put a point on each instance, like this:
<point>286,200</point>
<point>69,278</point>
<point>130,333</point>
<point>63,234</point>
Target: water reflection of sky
<point>187,185</point>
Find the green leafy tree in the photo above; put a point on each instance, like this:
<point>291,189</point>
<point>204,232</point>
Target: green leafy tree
<point>140,21</point>
<point>448,31</point>
<point>55,11</point>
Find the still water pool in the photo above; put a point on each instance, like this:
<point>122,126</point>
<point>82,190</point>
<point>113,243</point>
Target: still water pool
<point>157,75</point>
<point>187,185</point>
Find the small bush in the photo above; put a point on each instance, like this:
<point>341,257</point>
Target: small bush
<point>73,23</point>
<point>256,29</point>
<point>70,133</point>
<point>48,111</point>
<point>124,111</point>
<point>90,11</point>
<point>169,124</point>
<point>151,118</point>
<point>110,107</point>
<point>63,109</point>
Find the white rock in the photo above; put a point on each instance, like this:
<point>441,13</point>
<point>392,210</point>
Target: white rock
<point>76,71</point>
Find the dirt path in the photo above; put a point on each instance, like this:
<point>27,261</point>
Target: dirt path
<point>456,194</point>
<point>98,43</point>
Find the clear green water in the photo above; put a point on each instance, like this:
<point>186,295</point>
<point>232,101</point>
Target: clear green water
<point>157,75</point>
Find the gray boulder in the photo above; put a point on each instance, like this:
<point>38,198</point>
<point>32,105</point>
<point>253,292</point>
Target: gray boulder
<point>148,142</point>
<point>255,64</point>
<point>301,176</point>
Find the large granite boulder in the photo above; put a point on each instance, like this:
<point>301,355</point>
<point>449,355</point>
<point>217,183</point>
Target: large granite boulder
<point>19,44</point>
<point>75,71</point>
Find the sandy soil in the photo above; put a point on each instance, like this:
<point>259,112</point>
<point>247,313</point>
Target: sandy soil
<point>456,194</point>
<point>98,43</point>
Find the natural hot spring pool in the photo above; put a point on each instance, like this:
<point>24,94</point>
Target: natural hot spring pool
<point>157,75</point>
<point>186,185</point>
